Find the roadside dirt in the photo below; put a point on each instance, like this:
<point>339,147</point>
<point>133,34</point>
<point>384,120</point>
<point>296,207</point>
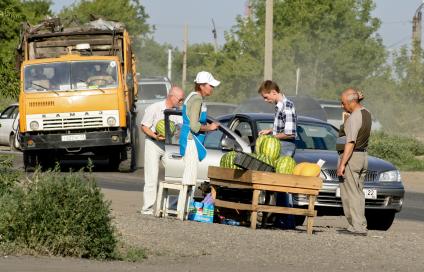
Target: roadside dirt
<point>189,246</point>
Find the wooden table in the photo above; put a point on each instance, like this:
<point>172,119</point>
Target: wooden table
<point>265,181</point>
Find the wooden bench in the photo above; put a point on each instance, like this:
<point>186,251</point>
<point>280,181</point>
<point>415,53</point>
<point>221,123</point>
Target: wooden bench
<point>265,181</point>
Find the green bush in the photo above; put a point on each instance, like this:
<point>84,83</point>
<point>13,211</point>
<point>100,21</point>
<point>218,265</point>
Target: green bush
<point>59,214</point>
<point>402,151</point>
<point>9,177</point>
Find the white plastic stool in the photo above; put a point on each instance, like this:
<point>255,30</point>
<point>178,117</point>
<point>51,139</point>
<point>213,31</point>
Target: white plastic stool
<point>184,195</point>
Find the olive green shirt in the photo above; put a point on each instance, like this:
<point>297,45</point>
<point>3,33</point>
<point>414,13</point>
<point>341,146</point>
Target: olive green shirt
<point>194,105</point>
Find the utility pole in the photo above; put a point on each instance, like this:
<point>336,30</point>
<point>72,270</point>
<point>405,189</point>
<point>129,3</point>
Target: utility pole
<point>416,33</point>
<point>268,40</point>
<point>214,36</point>
<point>169,63</point>
<point>297,80</point>
<point>184,77</point>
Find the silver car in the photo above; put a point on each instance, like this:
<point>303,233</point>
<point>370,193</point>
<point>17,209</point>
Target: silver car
<point>9,121</point>
<point>316,139</point>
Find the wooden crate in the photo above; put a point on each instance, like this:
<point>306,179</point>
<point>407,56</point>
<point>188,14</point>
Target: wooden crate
<point>265,181</point>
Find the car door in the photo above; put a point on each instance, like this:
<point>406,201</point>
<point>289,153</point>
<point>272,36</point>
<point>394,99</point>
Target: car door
<point>7,120</point>
<point>244,128</point>
<point>216,142</point>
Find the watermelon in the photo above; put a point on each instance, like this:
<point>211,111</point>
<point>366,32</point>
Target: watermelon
<point>259,141</point>
<point>270,147</point>
<point>284,165</point>
<point>264,158</point>
<point>160,127</point>
<point>227,160</point>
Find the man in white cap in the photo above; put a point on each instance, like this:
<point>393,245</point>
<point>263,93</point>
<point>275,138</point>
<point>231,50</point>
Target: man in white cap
<point>195,125</point>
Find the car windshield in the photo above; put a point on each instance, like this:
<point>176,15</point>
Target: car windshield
<point>335,113</point>
<point>315,136</point>
<point>75,75</point>
<point>152,91</point>
<point>215,110</point>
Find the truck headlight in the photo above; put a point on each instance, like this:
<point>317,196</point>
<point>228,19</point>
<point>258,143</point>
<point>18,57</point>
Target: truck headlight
<point>393,175</point>
<point>111,121</point>
<point>34,125</point>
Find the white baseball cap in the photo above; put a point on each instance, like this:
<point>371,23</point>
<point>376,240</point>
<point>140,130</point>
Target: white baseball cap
<point>206,77</point>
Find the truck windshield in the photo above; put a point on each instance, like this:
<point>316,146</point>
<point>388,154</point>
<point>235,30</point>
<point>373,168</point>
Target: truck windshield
<point>65,76</point>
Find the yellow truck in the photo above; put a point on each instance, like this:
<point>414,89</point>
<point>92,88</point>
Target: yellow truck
<point>77,93</point>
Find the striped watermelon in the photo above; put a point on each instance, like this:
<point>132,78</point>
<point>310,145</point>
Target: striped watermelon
<point>284,165</point>
<point>259,141</point>
<point>160,127</point>
<point>270,147</point>
<point>264,158</point>
<point>227,160</point>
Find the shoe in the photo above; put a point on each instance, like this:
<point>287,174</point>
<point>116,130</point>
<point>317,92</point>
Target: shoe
<point>147,212</point>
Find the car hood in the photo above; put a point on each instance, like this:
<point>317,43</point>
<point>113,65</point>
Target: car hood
<point>331,157</point>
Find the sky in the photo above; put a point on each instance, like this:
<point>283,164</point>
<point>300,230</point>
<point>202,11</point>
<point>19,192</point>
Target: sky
<point>170,16</point>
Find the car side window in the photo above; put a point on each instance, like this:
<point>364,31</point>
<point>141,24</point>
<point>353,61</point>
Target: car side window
<point>244,130</point>
<point>213,139</point>
<point>6,114</point>
<point>15,112</point>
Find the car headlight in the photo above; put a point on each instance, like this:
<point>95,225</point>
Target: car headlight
<point>111,121</point>
<point>34,125</point>
<point>391,176</point>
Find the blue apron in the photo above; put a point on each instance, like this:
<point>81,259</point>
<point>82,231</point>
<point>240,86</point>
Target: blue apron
<point>197,137</point>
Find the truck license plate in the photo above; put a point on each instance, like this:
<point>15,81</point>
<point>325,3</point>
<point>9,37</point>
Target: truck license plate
<point>74,137</point>
<point>369,193</point>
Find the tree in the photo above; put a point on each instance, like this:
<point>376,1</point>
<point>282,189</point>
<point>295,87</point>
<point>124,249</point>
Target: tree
<point>12,13</point>
<point>333,42</point>
<point>129,12</point>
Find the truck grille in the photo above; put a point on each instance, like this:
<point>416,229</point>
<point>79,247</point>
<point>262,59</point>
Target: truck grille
<point>41,104</point>
<point>72,122</point>
<point>369,176</point>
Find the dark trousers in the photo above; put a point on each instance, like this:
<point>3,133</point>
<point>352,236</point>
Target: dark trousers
<point>284,221</point>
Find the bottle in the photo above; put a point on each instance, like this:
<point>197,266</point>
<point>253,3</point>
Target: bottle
<point>231,222</point>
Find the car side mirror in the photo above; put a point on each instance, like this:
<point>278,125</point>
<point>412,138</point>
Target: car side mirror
<point>228,143</point>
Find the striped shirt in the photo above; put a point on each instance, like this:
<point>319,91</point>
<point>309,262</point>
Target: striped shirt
<point>285,118</point>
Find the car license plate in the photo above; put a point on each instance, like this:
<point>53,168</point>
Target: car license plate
<point>369,193</point>
<point>74,137</point>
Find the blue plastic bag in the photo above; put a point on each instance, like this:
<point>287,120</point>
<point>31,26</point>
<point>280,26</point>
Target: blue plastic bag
<point>201,212</point>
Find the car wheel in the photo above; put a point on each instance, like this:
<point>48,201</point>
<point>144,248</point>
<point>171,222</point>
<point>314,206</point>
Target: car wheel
<point>379,220</point>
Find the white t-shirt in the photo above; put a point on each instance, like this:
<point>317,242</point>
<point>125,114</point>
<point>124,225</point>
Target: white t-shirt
<point>154,113</point>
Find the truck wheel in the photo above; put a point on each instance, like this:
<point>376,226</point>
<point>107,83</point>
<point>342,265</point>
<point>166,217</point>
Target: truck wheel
<point>114,160</point>
<point>30,161</point>
<point>379,220</point>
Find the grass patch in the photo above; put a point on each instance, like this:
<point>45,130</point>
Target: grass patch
<point>404,152</point>
<point>132,254</point>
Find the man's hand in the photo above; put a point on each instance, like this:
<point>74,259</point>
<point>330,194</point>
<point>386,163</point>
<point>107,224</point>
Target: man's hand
<point>213,126</point>
<point>265,132</point>
<point>341,170</point>
<point>160,137</point>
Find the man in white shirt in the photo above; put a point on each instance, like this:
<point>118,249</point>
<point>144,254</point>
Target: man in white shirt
<point>154,146</point>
